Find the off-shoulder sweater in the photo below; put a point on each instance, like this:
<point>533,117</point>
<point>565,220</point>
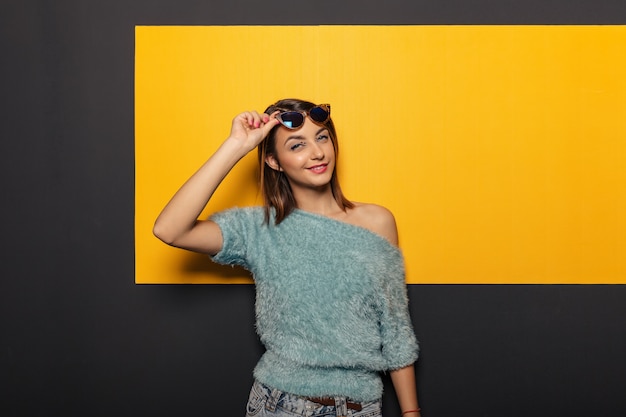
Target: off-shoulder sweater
<point>331,302</point>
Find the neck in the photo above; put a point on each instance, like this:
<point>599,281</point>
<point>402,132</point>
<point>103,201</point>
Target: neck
<point>320,201</point>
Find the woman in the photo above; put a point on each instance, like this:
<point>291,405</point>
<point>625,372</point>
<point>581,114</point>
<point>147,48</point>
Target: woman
<point>331,300</point>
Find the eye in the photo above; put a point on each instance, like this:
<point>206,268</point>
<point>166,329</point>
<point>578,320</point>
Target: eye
<point>322,138</point>
<point>296,146</point>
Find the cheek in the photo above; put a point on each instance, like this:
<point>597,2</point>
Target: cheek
<point>290,158</point>
<point>330,149</point>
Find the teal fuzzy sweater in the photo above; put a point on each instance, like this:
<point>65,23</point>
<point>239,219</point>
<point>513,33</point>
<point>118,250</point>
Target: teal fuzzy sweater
<point>331,303</point>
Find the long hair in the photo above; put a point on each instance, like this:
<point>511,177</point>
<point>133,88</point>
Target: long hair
<point>277,193</point>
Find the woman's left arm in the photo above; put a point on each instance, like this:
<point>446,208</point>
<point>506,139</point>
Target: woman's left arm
<point>403,380</point>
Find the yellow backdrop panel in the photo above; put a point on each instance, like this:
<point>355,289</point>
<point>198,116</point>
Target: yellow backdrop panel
<point>500,149</point>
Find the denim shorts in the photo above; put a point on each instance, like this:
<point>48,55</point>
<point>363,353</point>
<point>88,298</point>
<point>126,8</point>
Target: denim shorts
<point>268,402</point>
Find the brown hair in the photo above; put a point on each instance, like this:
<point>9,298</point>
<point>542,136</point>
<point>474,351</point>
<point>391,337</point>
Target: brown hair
<point>275,186</point>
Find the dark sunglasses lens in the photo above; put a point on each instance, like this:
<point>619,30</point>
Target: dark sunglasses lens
<point>319,114</point>
<point>291,119</point>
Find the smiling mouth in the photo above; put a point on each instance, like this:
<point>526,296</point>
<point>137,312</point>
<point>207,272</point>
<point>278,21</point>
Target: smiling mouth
<point>318,169</point>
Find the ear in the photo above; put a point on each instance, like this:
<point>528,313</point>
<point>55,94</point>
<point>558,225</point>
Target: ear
<point>272,162</point>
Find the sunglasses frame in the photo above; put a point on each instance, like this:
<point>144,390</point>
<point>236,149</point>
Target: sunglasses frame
<point>325,107</point>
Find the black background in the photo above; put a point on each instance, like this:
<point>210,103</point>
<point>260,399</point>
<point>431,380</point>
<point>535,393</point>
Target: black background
<point>79,338</point>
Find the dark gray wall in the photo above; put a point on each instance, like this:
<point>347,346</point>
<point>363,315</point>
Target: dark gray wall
<point>78,337</point>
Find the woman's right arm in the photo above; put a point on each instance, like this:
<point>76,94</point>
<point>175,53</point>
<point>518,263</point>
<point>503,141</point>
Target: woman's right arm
<point>178,223</point>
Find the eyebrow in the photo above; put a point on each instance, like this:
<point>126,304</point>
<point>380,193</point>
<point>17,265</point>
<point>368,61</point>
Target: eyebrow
<point>300,137</point>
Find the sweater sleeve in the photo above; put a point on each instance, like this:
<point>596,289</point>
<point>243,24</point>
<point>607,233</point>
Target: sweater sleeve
<point>400,347</point>
<point>235,225</point>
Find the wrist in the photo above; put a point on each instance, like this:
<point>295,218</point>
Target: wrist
<point>235,148</point>
<point>412,412</point>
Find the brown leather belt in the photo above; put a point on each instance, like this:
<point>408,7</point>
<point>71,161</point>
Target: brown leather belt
<point>331,402</point>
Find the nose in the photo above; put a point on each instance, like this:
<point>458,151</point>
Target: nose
<point>317,152</point>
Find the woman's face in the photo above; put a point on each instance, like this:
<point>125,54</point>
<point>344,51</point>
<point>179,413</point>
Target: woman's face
<point>306,155</point>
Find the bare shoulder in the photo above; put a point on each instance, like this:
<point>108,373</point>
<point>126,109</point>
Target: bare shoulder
<point>375,218</point>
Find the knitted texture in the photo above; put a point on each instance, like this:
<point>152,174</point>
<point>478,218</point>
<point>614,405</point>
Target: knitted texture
<point>331,302</point>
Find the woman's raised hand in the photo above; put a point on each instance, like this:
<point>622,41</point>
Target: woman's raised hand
<point>250,128</point>
<point>178,223</point>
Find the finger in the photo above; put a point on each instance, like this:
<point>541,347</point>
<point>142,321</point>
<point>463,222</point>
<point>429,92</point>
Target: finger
<point>243,119</point>
<point>267,117</point>
<point>274,114</point>
<point>250,118</point>
<point>255,119</point>
<point>267,127</point>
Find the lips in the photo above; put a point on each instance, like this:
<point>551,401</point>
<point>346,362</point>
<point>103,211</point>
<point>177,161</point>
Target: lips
<point>318,169</point>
